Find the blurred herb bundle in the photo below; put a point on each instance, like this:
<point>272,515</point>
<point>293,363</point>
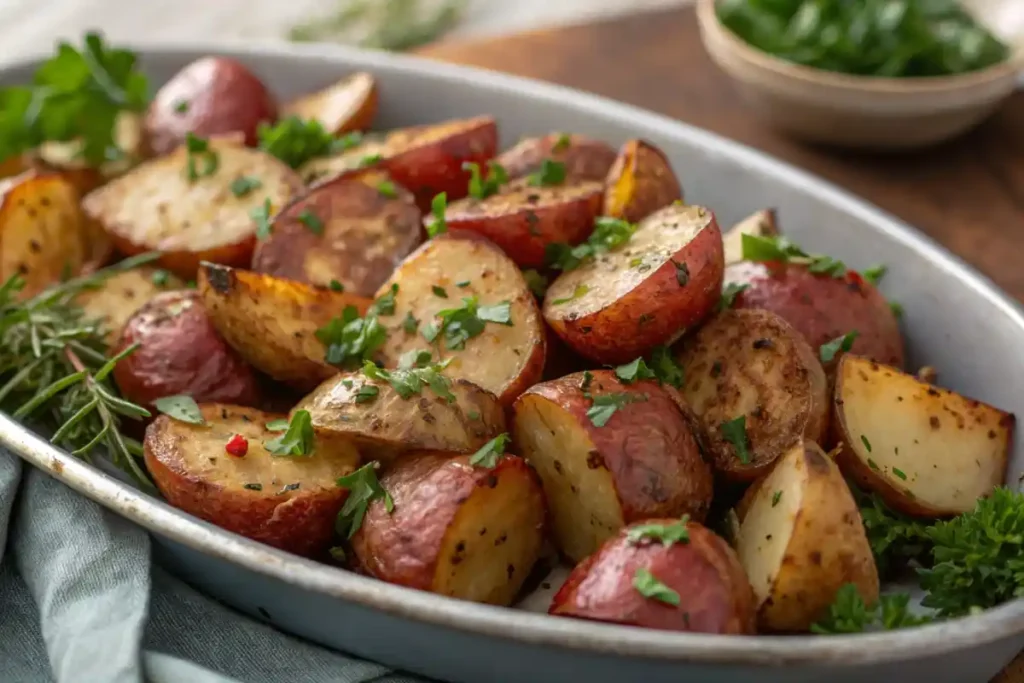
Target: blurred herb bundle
<point>396,25</point>
<point>890,38</point>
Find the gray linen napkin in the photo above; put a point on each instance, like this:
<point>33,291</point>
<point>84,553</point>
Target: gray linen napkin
<point>80,602</point>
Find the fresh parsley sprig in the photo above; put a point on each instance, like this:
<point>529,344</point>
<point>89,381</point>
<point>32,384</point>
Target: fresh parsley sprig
<point>363,488</point>
<point>850,614</point>
<point>608,234</point>
<point>895,539</point>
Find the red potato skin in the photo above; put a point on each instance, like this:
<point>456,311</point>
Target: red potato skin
<point>184,264</point>
<point>585,158</point>
<point>640,182</point>
<point>715,595</point>
<point>524,232</point>
<point>402,547</point>
<point>180,352</point>
<point>822,307</point>
<point>637,445</point>
<point>613,336</point>
<point>223,97</point>
<point>436,167</point>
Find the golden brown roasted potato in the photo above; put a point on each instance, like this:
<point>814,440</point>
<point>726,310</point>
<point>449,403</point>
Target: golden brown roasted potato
<point>362,228</point>
<point>372,414</point>
<point>180,352</point>
<point>760,224</point>
<point>505,358</point>
<point>584,158</point>
<point>158,207</point>
<point>801,539</point>
<point>289,502</point>
<point>523,219</point>
<point>821,307</point>
<point>666,278</point>
<point>609,454</point>
<point>711,590</point>
<point>272,322</point>
<point>119,296</point>
<point>468,532</point>
<point>342,107</point>
<point>66,158</point>
<point>211,96</point>
<point>425,160</point>
<point>44,237</point>
<point>927,451</point>
<point>751,365</point>
<point>640,182</point>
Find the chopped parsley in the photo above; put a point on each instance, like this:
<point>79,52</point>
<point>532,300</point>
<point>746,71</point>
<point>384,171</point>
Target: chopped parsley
<point>665,367</point>
<point>666,533</point>
<point>735,432</point>
<point>181,106</point>
<point>296,440</point>
<point>200,160</point>
<point>729,294</point>
<point>608,234</point>
<point>850,614</point>
<point>899,473</point>
<point>243,185</point>
<point>562,143</point>
<point>408,382</point>
<point>277,425</point>
<point>363,488</point>
<point>182,408</point>
<point>776,497</point>
<point>480,187</point>
<point>828,350</point>
<point>653,589</point>
<point>312,222</point>
<point>385,304</point>
<point>777,248</point>
<point>634,371</point>
<point>537,283</point>
<point>439,291</point>
<point>387,188</point>
<point>603,406</point>
<point>295,141</point>
<point>458,325</point>
<point>336,286</point>
<point>261,217</point>
<point>350,340</point>
<point>410,324</point>
<point>370,160</point>
<point>867,444</point>
<point>874,274</point>
<point>438,207</point>
<point>367,393</point>
<point>580,291</point>
<point>550,173</point>
<point>160,277</point>
<point>490,452</point>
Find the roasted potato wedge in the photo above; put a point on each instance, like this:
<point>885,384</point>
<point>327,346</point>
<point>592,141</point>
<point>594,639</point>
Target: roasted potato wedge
<point>714,595</point>
<point>598,475</point>
<point>584,158</point>
<point>645,293</point>
<point>927,451</point>
<point>272,322</point>
<point>180,352</point>
<point>822,307</point>
<point>65,157</point>
<point>157,207</point>
<point>425,160</point>
<point>504,359</point>
<point>44,237</point>
<point>752,364</point>
<point>287,502</point>
<point>801,539</point>
<point>365,226</point>
<point>760,224</point>
<point>373,415</point>
<point>523,219</point>
<point>342,107</point>
<point>211,96</point>
<point>467,532</point>
<point>120,295</point>
<point>640,182</point>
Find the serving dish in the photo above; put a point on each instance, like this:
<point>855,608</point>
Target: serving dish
<point>865,112</point>
<point>466,642</point>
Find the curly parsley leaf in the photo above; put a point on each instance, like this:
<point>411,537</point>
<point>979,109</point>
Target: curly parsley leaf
<point>895,538</point>
<point>850,614</point>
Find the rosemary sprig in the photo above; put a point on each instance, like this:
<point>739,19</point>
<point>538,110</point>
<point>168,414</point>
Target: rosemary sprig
<point>55,372</point>
<point>396,25</point>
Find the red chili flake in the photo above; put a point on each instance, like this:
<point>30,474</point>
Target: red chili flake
<point>238,446</point>
<point>854,279</point>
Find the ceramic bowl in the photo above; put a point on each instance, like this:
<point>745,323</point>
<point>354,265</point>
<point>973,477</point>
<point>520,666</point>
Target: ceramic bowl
<point>868,112</point>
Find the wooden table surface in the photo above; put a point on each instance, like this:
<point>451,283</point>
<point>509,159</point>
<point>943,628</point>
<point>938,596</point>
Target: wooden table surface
<point>967,194</point>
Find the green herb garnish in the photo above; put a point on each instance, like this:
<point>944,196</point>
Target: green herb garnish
<point>652,588</point>
<point>550,173</point>
<point>350,340</point>
<point>296,440</point>
<point>200,160</point>
<point>438,208</point>
<point>388,189</point>
<point>160,277</point>
<point>827,352</point>
<point>461,324</point>
<point>408,382</point>
<point>604,406</point>
<point>385,304</point>
<point>243,185</point>
<point>296,141</point>
<point>490,452</point>
<point>634,371</point>
<point>336,286</point>
<point>182,408</point>
<point>665,367</point>
<point>581,290</point>
<point>666,533</point>
<point>260,215</point>
<point>439,291</point>
<point>849,613</point>
<point>480,187</point>
<point>874,274</point>
<point>363,488</point>
<point>729,294</point>
<point>537,283</point>
<point>608,234</point>
<point>735,432</point>
<point>311,221</point>
<point>780,249</point>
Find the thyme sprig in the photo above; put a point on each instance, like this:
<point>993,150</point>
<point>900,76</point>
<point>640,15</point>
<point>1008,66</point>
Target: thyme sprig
<point>55,370</point>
